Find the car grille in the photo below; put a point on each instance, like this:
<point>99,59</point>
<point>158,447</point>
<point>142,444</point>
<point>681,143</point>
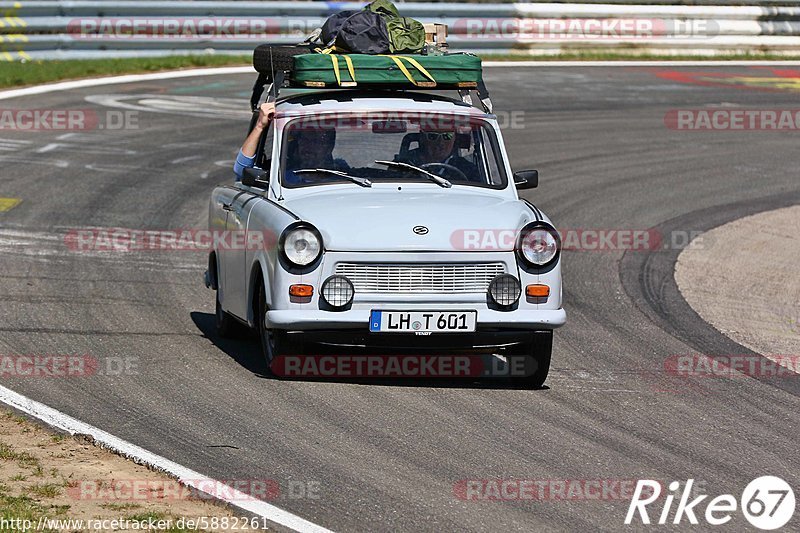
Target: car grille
<point>425,278</point>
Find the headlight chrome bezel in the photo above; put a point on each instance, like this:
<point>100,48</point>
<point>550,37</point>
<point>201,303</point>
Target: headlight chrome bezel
<point>527,230</point>
<point>287,233</point>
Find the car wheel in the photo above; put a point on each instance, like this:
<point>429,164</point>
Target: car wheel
<point>226,325</point>
<point>269,339</point>
<point>534,357</point>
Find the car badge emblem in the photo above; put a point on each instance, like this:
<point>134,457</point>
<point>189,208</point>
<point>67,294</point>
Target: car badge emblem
<point>420,230</point>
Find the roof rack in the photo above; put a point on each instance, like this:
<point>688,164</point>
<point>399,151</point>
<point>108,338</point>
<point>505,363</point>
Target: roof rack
<point>269,88</point>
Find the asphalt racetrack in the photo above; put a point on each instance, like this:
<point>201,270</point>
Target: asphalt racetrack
<point>392,455</point>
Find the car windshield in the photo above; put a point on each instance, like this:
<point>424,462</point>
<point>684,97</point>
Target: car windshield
<point>440,149</point>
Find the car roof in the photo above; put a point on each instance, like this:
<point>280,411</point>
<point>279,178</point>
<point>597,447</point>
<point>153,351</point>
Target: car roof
<point>360,101</point>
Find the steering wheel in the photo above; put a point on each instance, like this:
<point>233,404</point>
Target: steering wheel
<point>445,166</point>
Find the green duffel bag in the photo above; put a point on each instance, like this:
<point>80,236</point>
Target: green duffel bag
<point>386,71</point>
<point>406,35</point>
<point>384,8</point>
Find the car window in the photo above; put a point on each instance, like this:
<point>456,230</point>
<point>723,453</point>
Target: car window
<point>461,149</point>
<point>265,147</point>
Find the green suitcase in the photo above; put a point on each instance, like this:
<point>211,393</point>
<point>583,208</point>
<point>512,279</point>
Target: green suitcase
<point>451,71</point>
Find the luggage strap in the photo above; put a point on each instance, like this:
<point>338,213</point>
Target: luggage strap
<point>414,63</point>
<point>350,70</point>
<point>335,61</point>
<point>398,60</point>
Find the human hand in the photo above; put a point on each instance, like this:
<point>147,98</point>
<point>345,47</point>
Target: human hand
<point>265,115</point>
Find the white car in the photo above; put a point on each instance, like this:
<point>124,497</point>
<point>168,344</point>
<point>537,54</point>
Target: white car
<point>387,221</point>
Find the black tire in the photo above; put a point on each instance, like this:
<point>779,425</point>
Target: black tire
<point>270,341</point>
<point>269,58</point>
<point>536,356</point>
<point>227,326</point>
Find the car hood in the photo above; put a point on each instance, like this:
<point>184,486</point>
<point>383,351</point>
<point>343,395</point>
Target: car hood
<point>385,220</point>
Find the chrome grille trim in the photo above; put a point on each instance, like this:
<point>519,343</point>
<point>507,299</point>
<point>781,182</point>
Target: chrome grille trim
<point>421,278</point>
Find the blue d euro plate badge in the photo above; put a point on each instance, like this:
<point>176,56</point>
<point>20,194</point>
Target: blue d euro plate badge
<point>375,321</point>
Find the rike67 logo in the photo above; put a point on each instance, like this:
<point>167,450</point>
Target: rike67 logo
<point>767,503</point>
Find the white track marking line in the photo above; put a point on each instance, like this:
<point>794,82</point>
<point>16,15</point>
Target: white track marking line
<point>129,78</point>
<point>185,476</point>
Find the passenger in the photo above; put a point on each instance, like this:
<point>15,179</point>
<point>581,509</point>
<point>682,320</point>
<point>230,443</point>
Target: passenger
<point>308,148</point>
<point>247,154</point>
<point>311,148</point>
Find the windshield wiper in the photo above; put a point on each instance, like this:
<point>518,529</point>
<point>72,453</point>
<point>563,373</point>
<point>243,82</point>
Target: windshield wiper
<point>364,182</point>
<point>438,179</point>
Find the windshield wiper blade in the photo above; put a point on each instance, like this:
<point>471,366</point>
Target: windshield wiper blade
<point>438,179</point>
<point>364,182</point>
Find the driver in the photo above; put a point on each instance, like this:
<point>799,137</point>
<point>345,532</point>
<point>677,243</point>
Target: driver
<point>438,148</point>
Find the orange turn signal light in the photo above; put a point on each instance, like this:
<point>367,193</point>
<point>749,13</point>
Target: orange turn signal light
<point>537,291</point>
<point>302,291</point>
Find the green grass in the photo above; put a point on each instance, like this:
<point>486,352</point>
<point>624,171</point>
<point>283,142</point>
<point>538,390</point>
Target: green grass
<point>20,420</point>
<point>24,508</point>
<point>120,506</point>
<point>24,459</point>
<point>46,490</point>
<point>36,72</point>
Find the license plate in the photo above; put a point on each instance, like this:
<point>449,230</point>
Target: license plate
<point>423,322</point>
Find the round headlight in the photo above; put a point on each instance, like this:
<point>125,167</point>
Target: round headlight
<point>301,245</point>
<point>338,291</point>
<point>538,245</point>
<point>505,290</point>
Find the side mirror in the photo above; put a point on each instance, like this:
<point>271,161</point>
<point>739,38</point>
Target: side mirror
<point>255,177</point>
<point>526,179</point>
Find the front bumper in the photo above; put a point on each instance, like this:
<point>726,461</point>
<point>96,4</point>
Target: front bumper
<point>311,319</point>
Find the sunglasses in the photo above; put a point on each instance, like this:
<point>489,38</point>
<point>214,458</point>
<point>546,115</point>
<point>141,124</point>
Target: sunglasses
<point>433,136</point>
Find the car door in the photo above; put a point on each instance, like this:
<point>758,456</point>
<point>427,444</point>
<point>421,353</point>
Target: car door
<point>234,258</point>
<point>236,265</point>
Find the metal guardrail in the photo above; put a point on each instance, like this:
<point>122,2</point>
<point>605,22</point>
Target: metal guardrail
<point>105,28</point>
